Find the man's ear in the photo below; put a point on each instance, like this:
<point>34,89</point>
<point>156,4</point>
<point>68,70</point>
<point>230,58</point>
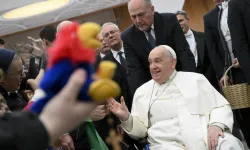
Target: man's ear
<point>46,43</point>
<point>173,63</point>
<point>152,8</point>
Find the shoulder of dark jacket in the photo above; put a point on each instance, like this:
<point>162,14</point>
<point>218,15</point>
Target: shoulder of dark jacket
<point>211,12</point>
<point>197,33</point>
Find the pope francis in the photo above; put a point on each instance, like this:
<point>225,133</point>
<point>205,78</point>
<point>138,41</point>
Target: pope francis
<point>177,110</point>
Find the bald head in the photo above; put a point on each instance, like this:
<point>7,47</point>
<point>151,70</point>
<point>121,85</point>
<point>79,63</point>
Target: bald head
<point>141,13</point>
<point>162,60</point>
<point>63,24</point>
<point>140,2</point>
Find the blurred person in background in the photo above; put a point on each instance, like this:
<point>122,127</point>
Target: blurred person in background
<point>2,42</point>
<point>12,73</point>
<point>196,41</point>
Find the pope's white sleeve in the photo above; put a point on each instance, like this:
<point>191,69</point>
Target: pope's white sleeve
<point>222,115</point>
<point>134,127</point>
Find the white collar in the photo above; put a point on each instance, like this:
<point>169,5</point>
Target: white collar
<point>189,33</point>
<point>102,55</point>
<point>170,78</point>
<point>224,4</point>
<point>152,26</point>
<point>115,53</point>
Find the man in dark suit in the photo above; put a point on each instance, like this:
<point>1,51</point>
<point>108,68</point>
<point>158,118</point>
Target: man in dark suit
<point>102,51</point>
<point>213,41</point>
<point>111,33</point>
<point>151,29</point>
<point>196,41</point>
<point>239,25</point>
<point>218,41</point>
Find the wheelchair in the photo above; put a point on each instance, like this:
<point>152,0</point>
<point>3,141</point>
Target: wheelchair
<point>132,144</point>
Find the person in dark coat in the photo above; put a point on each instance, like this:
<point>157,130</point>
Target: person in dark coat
<point>151,29</point>
<point>239,25</point>
<point>102,51</point>
<point>196,41</point>
<point>222,56</point>
<point>26,131</point>
<point>12,73</point>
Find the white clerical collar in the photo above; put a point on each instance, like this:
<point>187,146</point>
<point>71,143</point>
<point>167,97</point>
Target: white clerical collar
<point>189,33</point>
<point>102,55</point>
<point>170,78</point>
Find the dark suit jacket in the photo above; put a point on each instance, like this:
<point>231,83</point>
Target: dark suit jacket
<point>97,61</point>
<point>202,52</point>
<point>22,131</point>
<point>239,25</point>
<point>137,48</point>
<point>213,41</point>
<point>14,100</point>
<point>204,64</point>
<point>121,78</point>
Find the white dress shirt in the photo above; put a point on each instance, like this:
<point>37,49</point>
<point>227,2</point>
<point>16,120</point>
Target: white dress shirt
<point>192,44</point>
<point>102,55</point>
<point>225,29</point>
<point>116,55</point>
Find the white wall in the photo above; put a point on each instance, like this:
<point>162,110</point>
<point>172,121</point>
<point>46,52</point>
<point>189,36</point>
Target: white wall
<point>168,5</point>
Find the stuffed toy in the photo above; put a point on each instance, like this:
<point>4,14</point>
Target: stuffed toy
<point>75,48</point>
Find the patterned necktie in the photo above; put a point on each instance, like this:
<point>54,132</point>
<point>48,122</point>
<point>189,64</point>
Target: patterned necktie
<point>151,39</point>
<point>122,60</point>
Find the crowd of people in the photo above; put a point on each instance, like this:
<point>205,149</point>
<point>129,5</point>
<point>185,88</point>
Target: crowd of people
<point>170,77</point>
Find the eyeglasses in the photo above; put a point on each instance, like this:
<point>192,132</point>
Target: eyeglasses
<point>17,73</point>
<point>108,34</point>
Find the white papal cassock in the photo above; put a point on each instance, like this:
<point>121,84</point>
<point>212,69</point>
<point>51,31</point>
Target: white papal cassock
<point>176,115</point>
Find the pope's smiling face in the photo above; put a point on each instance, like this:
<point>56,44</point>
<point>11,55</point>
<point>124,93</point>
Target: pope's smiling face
<point>161,64</point>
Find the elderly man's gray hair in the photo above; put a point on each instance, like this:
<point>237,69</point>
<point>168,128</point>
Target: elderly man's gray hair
<point>110,24</point>
<point>169,51</point>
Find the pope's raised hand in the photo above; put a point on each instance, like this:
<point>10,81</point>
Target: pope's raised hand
<point>118,109</point>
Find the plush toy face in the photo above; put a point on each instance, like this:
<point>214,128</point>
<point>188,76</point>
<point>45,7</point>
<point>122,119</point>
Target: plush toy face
<point>87,34</point>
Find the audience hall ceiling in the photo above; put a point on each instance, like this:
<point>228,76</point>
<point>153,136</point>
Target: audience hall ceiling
<point>72,9</point>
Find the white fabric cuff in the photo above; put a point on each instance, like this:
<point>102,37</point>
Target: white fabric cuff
<point>128,124</point>
<point>39,93</point>
<point>222,126</point>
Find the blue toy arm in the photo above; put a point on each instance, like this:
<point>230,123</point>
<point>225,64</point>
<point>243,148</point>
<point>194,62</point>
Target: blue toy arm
<point>56,78</point>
